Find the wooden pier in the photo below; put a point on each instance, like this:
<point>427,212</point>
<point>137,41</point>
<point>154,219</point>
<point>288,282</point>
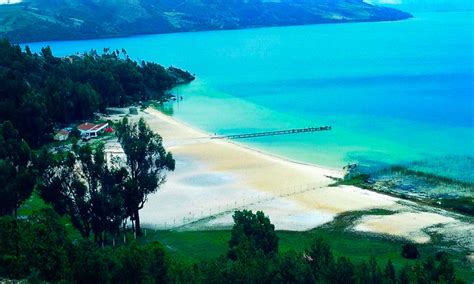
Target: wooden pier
<point>273,133</point>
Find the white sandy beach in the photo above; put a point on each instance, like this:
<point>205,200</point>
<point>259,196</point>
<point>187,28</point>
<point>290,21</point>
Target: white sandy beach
<point>213,177</point>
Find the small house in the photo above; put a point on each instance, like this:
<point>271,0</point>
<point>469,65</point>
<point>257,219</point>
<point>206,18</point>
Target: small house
<point>91,130</point>
<point>62,135</point>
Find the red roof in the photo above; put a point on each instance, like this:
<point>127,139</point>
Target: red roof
<point>90,126</point>
<point>63,132</point>
<point>109,129</point>
<point>86,126</point>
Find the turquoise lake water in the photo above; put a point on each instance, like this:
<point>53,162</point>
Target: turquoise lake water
<point>394,92</point>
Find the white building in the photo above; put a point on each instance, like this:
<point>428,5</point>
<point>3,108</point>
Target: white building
<point>90,130</point>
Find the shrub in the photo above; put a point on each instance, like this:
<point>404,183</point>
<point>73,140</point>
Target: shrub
<point>410,251</point>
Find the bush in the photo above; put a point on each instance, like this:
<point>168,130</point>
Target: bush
<point>410,251</point>
<point>252,233</point>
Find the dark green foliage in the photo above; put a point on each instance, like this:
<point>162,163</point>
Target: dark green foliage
<point>294,268</point>
<point>251,234</point>
<point>403,276</point>
<point>342,272</point>
<point>99,198</point>
<point>410,251</point>
<point>38,244</point>
<point>91,264</point>
<point>81,185</point>
<point>11,263</point>
<point>389,273</point>
<point>127,264</point>
<point>147,163</point>
<point>48,248</point>
<point>38,91</point>
<point>16,176</point>
<point>320,259</point>
<point>39,250</point>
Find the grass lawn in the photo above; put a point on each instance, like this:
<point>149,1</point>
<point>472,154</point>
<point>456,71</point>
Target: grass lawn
<point>192,246</point>
<point>35,203</point>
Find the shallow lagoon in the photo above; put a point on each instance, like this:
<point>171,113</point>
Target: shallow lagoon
<point>394,92</point>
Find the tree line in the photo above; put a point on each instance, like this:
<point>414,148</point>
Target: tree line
<point>39,91</point>
<point>38,249</point>
<point>99,197</point>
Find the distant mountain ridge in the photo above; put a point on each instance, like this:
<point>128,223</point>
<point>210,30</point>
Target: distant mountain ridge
<point>426,5</point>
<point>41,20</point>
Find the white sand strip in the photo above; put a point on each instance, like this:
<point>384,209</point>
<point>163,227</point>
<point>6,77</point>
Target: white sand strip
<point>213,176</point>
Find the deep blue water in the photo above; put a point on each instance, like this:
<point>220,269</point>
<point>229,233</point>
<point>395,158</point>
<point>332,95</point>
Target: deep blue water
<point>394,92</point>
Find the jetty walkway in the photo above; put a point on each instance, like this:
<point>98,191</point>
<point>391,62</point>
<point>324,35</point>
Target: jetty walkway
<point>273,133</point>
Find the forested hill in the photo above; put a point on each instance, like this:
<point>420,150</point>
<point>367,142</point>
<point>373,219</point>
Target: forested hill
<point>39,91</point>
<point>40,20</point>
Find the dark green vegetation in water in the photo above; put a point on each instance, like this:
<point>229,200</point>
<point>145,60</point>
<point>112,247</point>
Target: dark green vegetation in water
<point>409,182</point>
<point>40,91</point>
<point>41,20</point>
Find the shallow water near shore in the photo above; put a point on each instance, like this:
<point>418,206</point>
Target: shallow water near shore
<point>394,92</point>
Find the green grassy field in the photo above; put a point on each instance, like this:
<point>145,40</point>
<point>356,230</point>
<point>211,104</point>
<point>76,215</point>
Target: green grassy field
<point>194,246</point>
<point>35,203</point>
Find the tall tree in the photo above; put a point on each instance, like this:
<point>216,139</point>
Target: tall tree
<point>389,273</point>
<point>252,233</point>
<point>147,163</point>
<point>62,186</point>
<point>81,185</point>
<point>320,259</point>
<point>16,177</point>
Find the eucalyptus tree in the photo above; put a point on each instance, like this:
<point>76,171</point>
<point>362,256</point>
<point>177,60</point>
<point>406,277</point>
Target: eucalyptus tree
<point>146,165</point>
<point>16,176</point>
<point>80,184</point>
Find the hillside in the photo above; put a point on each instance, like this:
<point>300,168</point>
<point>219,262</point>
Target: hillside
<point>427,5</point>
<point>41,20</point>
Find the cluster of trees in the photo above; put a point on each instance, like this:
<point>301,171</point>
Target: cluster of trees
<point>253,257</point>
<point>17,176</point>
<point>38,91</point>
<point>98,196</point>
<point>39,249</point>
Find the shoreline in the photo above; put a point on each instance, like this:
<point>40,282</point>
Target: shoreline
<point>135,35</point>
<point>206,135</point>
<point>215,177</point>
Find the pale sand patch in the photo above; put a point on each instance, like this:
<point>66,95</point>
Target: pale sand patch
<point>215,176</point>
<point>409,225</point>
